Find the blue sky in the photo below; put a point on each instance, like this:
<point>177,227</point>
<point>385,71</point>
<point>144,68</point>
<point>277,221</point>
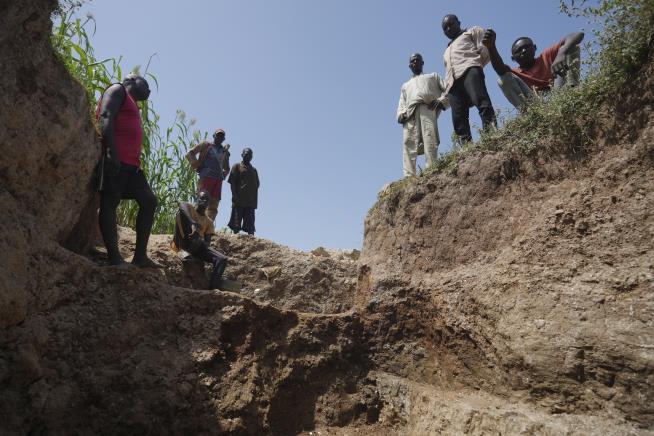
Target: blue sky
<point>311,86</point>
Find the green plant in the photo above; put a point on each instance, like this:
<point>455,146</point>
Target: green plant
<point>70,40</point>
<point>163,156</point>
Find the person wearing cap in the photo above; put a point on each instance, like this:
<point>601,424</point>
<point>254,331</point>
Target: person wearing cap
<point>211,161</point>
<point>422,99</point>
<point>557,65</point>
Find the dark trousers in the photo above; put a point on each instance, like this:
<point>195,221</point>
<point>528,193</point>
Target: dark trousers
<point>467,91</point>
<point>130,183</point>
<point>242,218</point>
<point>215,258</point>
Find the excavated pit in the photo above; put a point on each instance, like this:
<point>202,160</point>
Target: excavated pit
<point>512,297</point>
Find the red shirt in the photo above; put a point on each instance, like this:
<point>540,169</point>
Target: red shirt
<point>540,76</point>
<point>128,131</point>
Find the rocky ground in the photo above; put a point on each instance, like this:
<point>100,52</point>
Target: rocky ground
<point>513,296</point>
<point>322,281</point>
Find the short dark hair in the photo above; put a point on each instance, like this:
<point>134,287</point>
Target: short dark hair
<point>131,78</point>
<point>522,37</point>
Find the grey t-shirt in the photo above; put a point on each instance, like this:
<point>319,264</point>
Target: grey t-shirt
<point>212,164</point>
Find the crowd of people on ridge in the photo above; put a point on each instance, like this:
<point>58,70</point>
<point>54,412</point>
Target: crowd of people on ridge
<point>121,177</point>
<point>425,96</point>
<point>422,99</point>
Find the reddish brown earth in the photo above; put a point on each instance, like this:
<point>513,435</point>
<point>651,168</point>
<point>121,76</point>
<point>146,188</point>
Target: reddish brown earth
<point>514,296</point>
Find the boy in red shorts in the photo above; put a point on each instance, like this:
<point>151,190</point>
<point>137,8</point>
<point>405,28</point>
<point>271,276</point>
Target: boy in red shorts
<point>212,164</point>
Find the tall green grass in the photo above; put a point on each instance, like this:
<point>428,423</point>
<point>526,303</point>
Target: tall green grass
<point>163,157</point>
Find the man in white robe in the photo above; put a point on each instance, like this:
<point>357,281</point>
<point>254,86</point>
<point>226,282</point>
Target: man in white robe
<point>422,99</point>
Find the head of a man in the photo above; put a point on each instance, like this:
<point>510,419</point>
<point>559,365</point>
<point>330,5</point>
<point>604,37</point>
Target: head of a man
<point>218,136</point>
<point>523,51</point>
<point>202,202</point>
<point>416,63</point>
<point>451,26</point>
<point>137,87</point>
<point>247,155</point>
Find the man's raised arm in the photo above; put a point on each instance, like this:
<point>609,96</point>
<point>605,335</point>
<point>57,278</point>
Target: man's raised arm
<point>559,66</point>
<point>496,60</point>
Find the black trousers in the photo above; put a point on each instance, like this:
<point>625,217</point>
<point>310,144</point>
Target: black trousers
<point>215,258</point>
<point>129,183</point>
<point>467,91</point>
<point>242,218</point>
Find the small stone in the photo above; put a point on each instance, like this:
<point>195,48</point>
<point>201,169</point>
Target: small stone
<point>320,251</point>
<point>582,226</point>
<point>355,254</point>
<point>271,272</point>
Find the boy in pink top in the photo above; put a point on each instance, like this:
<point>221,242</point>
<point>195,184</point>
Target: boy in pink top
<point>555,66</point>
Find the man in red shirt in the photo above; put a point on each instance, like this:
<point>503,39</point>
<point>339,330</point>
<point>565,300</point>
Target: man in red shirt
<point>555,66</point>
<point>120,126</point>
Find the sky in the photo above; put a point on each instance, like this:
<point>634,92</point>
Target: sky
<point>311,86</point>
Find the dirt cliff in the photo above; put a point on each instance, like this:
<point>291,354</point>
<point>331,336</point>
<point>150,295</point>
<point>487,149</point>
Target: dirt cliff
<point>533,278</point>
<point>49,148</point>
<point>512,296</point>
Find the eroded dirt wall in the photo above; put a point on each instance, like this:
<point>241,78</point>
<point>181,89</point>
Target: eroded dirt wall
<point>532,278</point>
<point>48,149</point>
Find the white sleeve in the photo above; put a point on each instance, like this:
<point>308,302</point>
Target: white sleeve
<point>443,98</point>
<point>477,34</point>
<point>401,106</point>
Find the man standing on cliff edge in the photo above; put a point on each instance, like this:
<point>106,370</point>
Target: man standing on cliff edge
<point>120,126</point>
<point>465,58</point>
<point>422,99</point>
<point>244,181</point>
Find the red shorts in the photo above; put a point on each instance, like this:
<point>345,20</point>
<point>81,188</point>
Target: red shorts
<point>212,186</point>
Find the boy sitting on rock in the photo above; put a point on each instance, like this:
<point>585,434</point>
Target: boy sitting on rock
<point>193,231</point>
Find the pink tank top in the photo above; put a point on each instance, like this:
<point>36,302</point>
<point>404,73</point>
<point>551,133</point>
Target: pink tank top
<point>128,131</point>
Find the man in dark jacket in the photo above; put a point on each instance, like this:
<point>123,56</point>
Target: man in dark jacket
<point>244,181</point>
